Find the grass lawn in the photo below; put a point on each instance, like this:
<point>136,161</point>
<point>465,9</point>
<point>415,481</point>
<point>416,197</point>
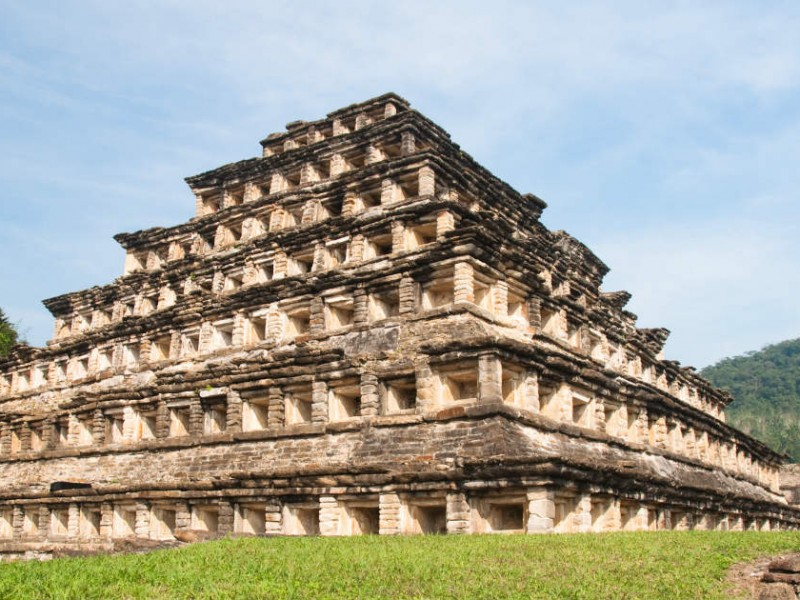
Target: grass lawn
<point>617,565</point>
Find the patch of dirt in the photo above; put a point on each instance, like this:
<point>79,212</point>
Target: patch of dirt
<point>744,580</point>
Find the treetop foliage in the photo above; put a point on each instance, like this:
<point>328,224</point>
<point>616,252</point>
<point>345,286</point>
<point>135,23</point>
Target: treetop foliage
<point>9,336</point>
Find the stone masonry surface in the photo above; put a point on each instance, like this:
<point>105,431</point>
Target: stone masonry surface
<point>362,331</point>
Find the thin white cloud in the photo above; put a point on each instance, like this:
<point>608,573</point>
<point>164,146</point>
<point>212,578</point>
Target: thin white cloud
<point>720,286</point>
<point>631,119</point>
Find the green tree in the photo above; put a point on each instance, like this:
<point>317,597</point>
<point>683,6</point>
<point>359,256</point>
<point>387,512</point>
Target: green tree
<point>9,336</point>
<point>766,390</point>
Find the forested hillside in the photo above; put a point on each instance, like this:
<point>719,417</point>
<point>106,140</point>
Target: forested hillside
<point>766,388</point>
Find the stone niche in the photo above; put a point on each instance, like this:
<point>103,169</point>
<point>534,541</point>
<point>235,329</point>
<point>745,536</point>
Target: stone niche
<point>90,521</point>
<point>163,519</point>
<point>179,418</point>
<point>427,517</point>
<point>361,517</point>
<point>456,383</point>
<point>298,401</point>
<point>506,513</point>
<point>124,521</point>
<point>399,395</point>
<point>256,411</point>
<point>251,518</point>
<point>344,400</point>
<point>215,412</point>
<point>301,518</point>
<point>205,518</point>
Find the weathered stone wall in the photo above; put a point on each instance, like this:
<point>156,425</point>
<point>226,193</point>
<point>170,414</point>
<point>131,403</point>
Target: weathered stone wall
<point>385,450</point>
<point>362,331</point>
<point>790,482</point>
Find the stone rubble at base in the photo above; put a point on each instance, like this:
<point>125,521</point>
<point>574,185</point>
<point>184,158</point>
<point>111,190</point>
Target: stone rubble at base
<point>362,331</point>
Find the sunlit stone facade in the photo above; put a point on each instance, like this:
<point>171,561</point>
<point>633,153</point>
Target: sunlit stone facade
<point>362,331</point>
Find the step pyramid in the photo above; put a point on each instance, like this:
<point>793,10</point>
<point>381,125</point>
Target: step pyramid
<point>362,331</point>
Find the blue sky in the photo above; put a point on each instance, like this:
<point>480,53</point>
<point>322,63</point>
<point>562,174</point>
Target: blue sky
<point>665,136</point>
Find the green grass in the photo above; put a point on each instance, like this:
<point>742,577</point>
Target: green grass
<point>619,565</point>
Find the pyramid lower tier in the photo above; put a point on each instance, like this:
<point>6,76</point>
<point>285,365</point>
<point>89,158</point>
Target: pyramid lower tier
<point>442,422</point>
<point>471,469</point>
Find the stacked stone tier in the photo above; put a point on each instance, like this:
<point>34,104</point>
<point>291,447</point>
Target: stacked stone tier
<point>531,476</point>
<point>532,371</point>
<point>413,239</point>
